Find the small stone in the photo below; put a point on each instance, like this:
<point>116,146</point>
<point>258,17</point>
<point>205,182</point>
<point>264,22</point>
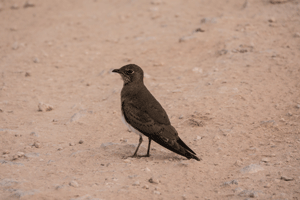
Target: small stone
<point>153,180</point>
<point>253,168</point>
<point>36,60</point>
<point>147,169</point>
<point>298,106</point>
<point>268,185</point>
<point>57,187</point>
<point>80,142</point>
<point>272,20</point>
<point>297,35</point>
<point>156,192</point>
<point>186,38</point>
<point>237,190</point>
<point>126,161</point>
<point>198,138</point>
<point>44,107</point>
<point>278,1</point>
<point>277,180</point>
<point>13,29</point>
<point>282,120</point>
<point>15,46</point>
<point>71,144</point>
<point>286,178</point>
<point>233,182</point>
<point>37,145</point>
<point>15,157</point>
<point>265,160</point>
<point>136,183</point>
<point>74,184</point>
<point>27,74</point>
<point>28,4</point>
<point>20,154</point>
<point>146,187</point>
<point>5,152</point>
<point>289,114</point>
<point>180,117</point>
<point>14,7</point>
<point>238,163</point>
<point>34,134</point>
<point>199,30</point>
<point>59,149</point>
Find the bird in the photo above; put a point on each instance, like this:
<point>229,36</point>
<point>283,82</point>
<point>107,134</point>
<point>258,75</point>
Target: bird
<point>145,116</point>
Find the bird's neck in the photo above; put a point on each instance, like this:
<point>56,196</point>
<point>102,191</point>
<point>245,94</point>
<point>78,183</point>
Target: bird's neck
<point>131,89</point>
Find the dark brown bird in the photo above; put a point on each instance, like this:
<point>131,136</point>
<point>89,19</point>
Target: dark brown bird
<point>144,115</point>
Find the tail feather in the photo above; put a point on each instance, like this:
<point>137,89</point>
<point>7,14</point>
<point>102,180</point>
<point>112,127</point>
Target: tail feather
<point>181,143</point>
<point>192,156</point>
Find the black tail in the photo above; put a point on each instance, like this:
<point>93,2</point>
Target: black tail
<point>188,155</point>
<point>179,141</point>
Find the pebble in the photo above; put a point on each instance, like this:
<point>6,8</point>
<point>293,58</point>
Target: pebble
<point>278,1</point>
<point>74,184</point>
<point>199,30</point>
<point>34,134</point>
<point>197,138</point>
<point>297,35</point>
<point>147,169</point>
<point>71,144</point>
<point>235,182</point>
<point>248,193</point>
<point>18,155</point>
<point>298,105</point>
<point>59,149</point>
<point>268,185</point>
<point>186,38</point>
<point>272,20</point>
<point>27,74</point>
<point>36,60</point>
<point>44,107</point>
<point>277,180</point>
<point>15,46</point>
<point>156,192</point>
<point>80,141</point>
<point>6,152</point>
<point>153,180</point>
<point>37,145</point>
<point>28,4</point>
<point>14,7</point>
<point>136,183</point>
<point>265,160</point>
<point>286,178</point>
<point>253,168</point>
<point>238,163</point>
<point>146,186</point>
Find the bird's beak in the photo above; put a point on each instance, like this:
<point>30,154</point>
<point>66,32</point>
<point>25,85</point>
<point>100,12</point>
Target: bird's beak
<point>116,71</point>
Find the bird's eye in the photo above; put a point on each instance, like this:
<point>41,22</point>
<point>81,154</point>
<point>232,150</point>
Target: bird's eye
<point>129,71</point>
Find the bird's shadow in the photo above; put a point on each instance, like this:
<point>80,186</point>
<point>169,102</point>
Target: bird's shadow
<point>125,151</point>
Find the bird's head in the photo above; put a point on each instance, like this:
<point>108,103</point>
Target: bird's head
<point>130,73</point>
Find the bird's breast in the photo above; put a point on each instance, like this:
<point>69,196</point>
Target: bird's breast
<point>130,128</point>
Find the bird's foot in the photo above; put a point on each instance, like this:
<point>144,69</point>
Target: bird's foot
<point>136,156</point>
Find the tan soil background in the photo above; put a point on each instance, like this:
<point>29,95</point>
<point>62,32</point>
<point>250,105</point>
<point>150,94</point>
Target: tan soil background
<point>226,72</point>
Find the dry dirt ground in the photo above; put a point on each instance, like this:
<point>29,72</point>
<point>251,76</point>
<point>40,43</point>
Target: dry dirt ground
<point>226,72</point>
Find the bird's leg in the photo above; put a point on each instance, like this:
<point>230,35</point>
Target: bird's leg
<point>140,142</point>
<point>148,151</point>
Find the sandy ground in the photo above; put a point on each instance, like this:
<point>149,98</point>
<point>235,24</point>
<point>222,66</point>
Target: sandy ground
<point>226,72</point>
